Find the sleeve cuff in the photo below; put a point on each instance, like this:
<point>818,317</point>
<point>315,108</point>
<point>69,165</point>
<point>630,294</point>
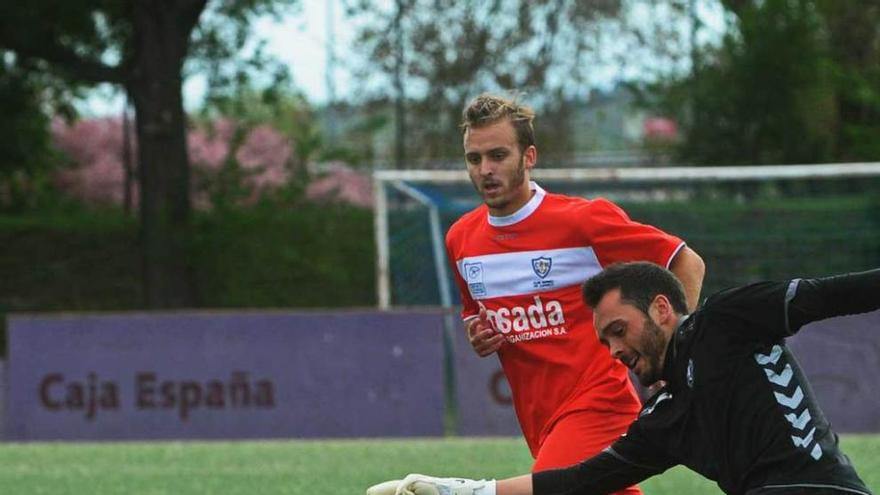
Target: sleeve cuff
<point>674,254</point>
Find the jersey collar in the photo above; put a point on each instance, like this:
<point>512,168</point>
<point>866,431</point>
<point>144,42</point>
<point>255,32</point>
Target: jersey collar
<point>522,213</point>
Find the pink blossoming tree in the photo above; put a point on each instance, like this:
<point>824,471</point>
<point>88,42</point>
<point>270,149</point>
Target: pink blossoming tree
<point>231,163</point>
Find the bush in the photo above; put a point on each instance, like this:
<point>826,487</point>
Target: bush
<point>310,256</point>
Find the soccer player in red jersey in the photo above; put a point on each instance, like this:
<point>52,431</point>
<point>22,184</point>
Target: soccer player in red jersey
<point>520,259</point>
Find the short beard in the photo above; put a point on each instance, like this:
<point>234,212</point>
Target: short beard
<point>653,349</point>
<point>520,176</point>
<point>515,183</point>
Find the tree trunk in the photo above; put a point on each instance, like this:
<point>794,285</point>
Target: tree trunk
<point>160,44</point>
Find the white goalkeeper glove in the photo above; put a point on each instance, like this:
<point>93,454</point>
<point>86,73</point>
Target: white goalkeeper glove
<point>419,484</point>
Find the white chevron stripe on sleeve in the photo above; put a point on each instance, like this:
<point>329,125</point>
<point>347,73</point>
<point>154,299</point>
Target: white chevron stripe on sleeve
<point>801,421</point>
<point>790,402</point>
<point>773,357</point>
<point>803,442</point>
<point>780,379</point>
<point>817,452</point>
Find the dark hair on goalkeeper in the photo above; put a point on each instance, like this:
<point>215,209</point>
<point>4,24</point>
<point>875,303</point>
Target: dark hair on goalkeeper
<point>639,283</point>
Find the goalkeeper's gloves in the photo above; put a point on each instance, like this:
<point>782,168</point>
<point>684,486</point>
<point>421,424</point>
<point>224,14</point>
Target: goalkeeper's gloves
<point>419,484</point>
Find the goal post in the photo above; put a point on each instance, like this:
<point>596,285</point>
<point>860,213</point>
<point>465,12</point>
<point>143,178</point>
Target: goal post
<point>414,208</point>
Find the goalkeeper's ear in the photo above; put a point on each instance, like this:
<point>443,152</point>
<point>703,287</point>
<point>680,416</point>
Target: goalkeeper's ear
<point>384,488</point>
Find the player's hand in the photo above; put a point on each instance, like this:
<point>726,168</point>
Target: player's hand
<point>419,484</point>
<point>385,488</point>
<point>482,334</point>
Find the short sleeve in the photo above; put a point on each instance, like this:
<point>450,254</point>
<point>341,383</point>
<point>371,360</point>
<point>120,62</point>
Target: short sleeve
<point>615,238</point>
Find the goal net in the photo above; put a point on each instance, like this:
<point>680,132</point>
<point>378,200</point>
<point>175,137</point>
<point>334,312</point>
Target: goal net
<point>748,222</point>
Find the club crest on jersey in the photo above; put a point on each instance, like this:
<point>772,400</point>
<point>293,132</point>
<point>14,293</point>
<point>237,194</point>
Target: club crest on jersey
<point>542,266</point>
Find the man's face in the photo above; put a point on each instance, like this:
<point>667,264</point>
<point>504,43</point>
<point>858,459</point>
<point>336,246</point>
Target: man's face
<point>631,336</point>
<point>497,168</point>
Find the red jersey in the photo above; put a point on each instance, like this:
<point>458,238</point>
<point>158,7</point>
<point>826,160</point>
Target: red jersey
<point>527,269</point>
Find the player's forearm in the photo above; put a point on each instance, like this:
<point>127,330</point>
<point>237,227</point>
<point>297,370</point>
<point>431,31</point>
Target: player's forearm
<point>690,269</point>
<point>827,297</point>
<point>601,474</point>
<point>521,485</point>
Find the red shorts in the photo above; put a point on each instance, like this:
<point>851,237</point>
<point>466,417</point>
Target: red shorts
<point>580,435</point>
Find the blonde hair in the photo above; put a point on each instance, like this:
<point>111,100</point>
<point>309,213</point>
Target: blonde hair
<point>488,109</point>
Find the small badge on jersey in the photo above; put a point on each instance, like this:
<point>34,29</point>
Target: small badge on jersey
<point>690,373</point>
<point>542,266</point>
<point>473,272</point>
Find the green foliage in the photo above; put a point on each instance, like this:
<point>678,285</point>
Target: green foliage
<point>267,256</point>
<point>277,256</point>
<point>792,82</point>
<point>772,238</point>
<point>227,188</point>
<point>22,119</point>
<point>853,34</point>
<point>303,467</point>
<point>354,133</point>
<point>217,42</point>
<point>144,46</point>
<point>26,157</point>
<point>69,260</point>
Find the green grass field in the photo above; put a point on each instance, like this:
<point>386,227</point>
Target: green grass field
<point>331,467</point>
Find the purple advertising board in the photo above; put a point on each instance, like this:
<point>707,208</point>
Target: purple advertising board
<point>218,375</point>
<point>306,375</point>
<point>841,358</point>
<point>485,406</point>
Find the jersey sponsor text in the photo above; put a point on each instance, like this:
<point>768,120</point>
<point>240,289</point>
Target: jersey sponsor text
<point>535,321</point>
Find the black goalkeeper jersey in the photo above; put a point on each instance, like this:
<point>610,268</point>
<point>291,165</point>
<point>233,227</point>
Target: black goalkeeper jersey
<point>736,407</point>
